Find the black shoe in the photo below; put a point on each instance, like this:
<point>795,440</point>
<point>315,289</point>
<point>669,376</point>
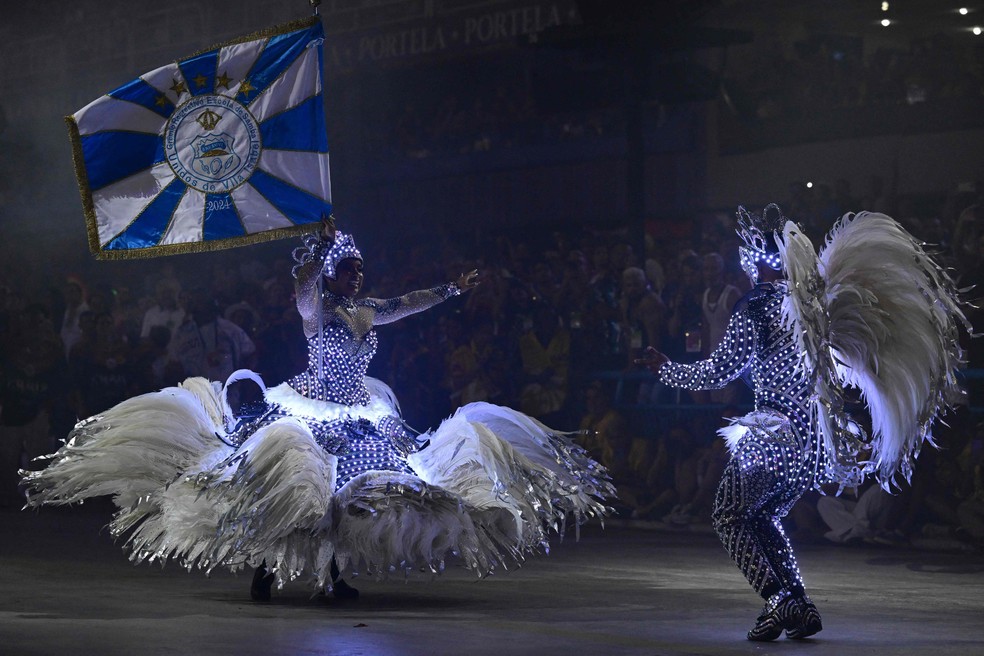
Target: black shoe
<point>782,611</point>
<point>809,622</point>
<point>262,582</point>
<point>343,591</point>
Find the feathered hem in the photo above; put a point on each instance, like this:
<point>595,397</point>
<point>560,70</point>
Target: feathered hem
<point>488,488</point>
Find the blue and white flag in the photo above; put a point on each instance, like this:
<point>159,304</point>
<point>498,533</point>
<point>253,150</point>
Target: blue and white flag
<point>225,148</point>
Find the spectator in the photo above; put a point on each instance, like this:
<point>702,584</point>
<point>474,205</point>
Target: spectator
<point>867,518</point>
<point>717,302</point>
<point>101,369</point>
<point>207,344</point>
<point>166,312</point>
<point>642,314</point>
<point>30,363</point>
<point>75,305</point>
<point>545,355</point>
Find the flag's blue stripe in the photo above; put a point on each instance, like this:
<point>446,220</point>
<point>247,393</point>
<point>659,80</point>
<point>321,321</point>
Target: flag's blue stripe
<point>112,156</point>
<point>148,228</point>
<point>143,94</point>
<point>201,67</point>
<point>299,128</point>
<point>298,206</point>
<point>280,52</point>
<point>221,219</point>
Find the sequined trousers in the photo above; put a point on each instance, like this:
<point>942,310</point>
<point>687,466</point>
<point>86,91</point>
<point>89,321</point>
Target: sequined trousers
<point>768,472</point>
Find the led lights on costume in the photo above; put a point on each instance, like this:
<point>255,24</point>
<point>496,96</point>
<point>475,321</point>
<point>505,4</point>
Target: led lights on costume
<point>327,472</point>
<point>799,341</point>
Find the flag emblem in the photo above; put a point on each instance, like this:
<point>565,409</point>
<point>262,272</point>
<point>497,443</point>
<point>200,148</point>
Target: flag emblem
<point>208,160</point>
<point>224,148</point>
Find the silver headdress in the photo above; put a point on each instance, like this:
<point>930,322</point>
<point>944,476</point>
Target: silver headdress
<point>760,233</point>
<point>343,248</point>
<point>327,252</point>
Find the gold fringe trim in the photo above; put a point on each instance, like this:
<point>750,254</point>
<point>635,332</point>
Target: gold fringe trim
<point>89,210</point>
<point>205,246</point>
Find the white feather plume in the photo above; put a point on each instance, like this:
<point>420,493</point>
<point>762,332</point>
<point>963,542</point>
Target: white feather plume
<point>875,311</point>
<point>894,319</point>
<point>492,483</point>
<point>131,450</point>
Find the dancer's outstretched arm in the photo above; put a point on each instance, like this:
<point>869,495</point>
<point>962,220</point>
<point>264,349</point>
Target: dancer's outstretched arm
<point>726,363</point>
<point>393,309</point>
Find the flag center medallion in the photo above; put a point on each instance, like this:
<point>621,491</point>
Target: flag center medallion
<point>212,143</point>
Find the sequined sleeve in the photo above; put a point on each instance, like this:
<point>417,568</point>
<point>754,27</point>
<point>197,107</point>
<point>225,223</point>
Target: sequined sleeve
<point>726,363</point>
<point>393,309</point>
<point>310,260</point>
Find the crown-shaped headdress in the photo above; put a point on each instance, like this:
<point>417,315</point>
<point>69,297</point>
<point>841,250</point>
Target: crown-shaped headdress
<point>330,253</point>
<point>760,232</point>
<point>344,248</point>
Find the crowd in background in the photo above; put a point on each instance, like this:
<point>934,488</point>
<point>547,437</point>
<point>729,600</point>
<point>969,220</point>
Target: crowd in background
<point>552,330</point>
<point>824,72</point>
<point>806,78</point>
<point>504,116</point>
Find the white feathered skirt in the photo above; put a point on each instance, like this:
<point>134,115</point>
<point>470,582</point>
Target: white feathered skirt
<point>487,489</point>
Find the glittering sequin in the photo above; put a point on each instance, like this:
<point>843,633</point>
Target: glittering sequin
<point>338,357</point>
<point>776,461</point>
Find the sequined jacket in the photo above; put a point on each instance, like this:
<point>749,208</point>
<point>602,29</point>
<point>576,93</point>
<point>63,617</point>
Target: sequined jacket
<point>756,345</point>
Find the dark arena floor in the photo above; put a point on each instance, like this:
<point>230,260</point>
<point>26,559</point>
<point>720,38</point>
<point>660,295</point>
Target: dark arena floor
<point>67,589</point>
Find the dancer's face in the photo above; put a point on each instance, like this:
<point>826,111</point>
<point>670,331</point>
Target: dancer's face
<point>767,274</point>
<point>348,278</point>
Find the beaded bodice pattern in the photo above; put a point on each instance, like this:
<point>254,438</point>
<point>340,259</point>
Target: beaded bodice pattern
<point>340,353</point>
<point>338,358</point>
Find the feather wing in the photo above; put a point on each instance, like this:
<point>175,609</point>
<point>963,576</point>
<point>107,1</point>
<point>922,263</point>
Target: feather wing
<point>894,317</point>
<point>805,312</point>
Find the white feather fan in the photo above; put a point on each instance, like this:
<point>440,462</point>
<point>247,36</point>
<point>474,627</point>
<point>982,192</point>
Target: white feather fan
<point>877,313</point>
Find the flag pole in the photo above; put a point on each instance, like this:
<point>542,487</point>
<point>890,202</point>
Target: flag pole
<point>320,286</point>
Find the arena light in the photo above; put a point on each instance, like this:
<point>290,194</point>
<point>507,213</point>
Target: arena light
<point>809,185</point>
<point>963,11</point>
<point>884,6</point>
<point>977,31</point>
<point>885,22</point>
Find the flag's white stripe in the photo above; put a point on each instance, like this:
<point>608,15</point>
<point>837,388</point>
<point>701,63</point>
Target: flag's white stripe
<point>257,214</point>
<point>298,83</point>
<point>186,226</point>
<point>117,204</point>
<point>304,170</point>
<point>236,61</point>
<point>163,79</point>
<point>108,113</point>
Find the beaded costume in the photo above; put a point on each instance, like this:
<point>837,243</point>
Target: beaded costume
<point>873,311</point>
<point>776,451</point>
<point>327,472</point>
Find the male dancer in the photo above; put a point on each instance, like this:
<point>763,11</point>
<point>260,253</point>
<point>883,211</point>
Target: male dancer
<point>798,437</point>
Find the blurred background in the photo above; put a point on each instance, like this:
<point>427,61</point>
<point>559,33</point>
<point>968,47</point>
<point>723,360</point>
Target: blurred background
<point>587,156</point>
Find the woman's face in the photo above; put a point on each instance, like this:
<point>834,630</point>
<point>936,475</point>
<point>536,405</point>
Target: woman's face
<point>348,278</point>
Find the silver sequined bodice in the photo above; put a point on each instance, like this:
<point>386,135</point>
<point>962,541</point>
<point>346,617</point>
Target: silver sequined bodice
<point>344,352</point>
<point>340,353</point>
